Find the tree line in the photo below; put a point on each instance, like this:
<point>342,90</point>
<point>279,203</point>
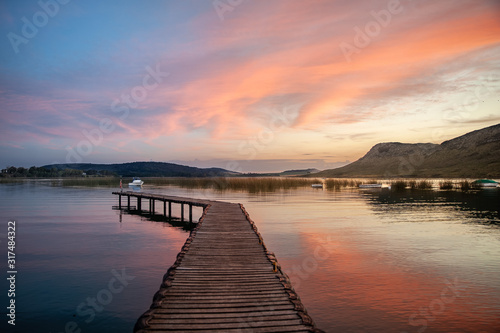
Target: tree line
<point>41,172</point>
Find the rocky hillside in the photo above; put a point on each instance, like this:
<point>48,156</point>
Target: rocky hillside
<point>473,155</point>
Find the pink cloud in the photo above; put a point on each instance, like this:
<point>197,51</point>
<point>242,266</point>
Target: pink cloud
<point>227,77</point>
<point>293,49</point>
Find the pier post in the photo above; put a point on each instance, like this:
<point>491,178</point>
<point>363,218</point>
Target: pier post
<point>152,207</point>
<point>170,210</point>
<point>190,213</point>
<point>119,201</point>
<point>139,204</point>
<point>182,212</point>
<point>165,208</point>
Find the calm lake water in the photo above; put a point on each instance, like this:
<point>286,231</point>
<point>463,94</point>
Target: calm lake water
<point>361,262</point>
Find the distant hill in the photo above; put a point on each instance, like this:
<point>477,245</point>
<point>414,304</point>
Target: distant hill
<point>146,169</point>
<point>473,155</point>
<point>302,172</point>
<point>287,173</point>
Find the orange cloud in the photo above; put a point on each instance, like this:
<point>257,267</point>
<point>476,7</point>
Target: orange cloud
<point>285,59</point>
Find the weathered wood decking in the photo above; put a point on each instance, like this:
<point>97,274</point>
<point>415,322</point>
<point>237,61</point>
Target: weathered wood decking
<point>224,280</point>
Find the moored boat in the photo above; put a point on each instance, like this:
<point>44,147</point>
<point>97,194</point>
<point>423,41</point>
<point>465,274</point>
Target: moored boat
<point>485,183</point>
<point>136,182</point>
<point>317,185</point>
<point>370,186</point>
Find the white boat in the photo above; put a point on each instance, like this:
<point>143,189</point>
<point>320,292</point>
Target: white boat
<point>136,182</point>
<point>370,186</point>
<point>317,185</point>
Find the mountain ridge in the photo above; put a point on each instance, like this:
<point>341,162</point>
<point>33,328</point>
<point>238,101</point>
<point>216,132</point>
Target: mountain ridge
<point>146,169</point>
<point>472,155</point>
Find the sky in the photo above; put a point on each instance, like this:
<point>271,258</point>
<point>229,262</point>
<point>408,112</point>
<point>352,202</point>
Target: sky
<point>250,86</point>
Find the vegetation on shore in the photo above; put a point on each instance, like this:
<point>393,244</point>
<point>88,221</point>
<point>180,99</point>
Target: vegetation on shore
<point>333,184</point>
<point>253,184</point>
<point>446,185</point>
<point>42,172</point>
<point>249,184</point>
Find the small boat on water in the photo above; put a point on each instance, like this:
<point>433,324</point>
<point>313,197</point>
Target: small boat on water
<point>317,185</point>
<point>485,183</point>
<point>370,186</point>
<point>136,182</point>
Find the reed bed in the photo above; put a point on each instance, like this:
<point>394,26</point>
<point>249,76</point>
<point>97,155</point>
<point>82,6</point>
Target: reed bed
<point>462,185</point>
<point>402,185</point>
<point>424,185</point>
<point>465,185</point>
<point>335,184</point>
<point>252,184</point>
<point>446,185</point>
<point>11,180</point>
<point>88,181</point>
<point>399,185</point>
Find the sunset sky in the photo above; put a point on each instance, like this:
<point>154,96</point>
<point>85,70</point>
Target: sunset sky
<point>240,84</point>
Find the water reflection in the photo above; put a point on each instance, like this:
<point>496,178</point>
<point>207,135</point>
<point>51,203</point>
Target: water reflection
<point>479,206</point>
<point>173,221</point>
<point>356,264</point>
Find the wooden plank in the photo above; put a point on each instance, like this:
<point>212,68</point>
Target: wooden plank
<point>188,292</point>
<point>237,324</point>
<point>167,320</point>
<point>219,315</point>
<point>227,299</point>
<point>253,309</point>
<point>243,329</point>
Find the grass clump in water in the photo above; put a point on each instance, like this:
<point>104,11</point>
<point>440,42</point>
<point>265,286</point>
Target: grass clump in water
<point>399,185</point>
<point>446,185</point>
<point>335,184</point>
<point>465,185</point>
<point>424,185</point>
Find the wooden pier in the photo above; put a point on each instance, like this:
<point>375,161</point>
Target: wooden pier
<point>167,201</point>
<point>224,279</point>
